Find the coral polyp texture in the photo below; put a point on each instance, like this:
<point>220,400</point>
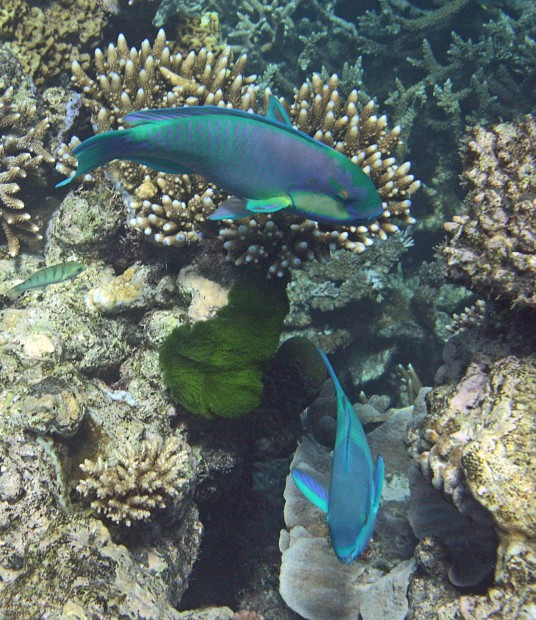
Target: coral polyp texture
<point>492,246</point>
<point>172,209</point>
<point>140,480</point>
<point>21,153</point>
<point>47,39</point>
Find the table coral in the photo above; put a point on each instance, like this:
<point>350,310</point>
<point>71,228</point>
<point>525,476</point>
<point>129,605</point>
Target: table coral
<point>492,246</point>
<point>139,480</point>
<point>21,153</point>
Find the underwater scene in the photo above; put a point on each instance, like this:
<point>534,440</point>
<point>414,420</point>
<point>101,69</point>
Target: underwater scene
<point>267,309</point>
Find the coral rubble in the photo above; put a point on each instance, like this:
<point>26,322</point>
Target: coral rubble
<point>492,245</point>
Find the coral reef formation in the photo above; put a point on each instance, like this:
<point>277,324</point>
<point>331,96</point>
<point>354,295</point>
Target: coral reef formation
<point>47,39</point>
<point>492,246</point>
<point>476,445</point>
<point>22,152</point>
<point>215,368</point>
<point>168,208</point>
<point>140,480</point>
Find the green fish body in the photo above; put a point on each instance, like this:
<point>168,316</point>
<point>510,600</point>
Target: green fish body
<point>47,275</point>
<point>264,163</point>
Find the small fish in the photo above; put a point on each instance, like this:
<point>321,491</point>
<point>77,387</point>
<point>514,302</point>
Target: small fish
<point>355,488</point>
<point>47,275</point>
<point>264,163</point>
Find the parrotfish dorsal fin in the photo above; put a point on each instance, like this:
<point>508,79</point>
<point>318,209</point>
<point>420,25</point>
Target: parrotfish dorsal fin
<point>276,112</point>
<point>315,492</point>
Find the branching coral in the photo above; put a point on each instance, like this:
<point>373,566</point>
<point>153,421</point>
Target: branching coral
<point>262,24</point>
<point>140,480</point>
<point>46,40</point>
<point>21,153</point>
<point>493,243</point>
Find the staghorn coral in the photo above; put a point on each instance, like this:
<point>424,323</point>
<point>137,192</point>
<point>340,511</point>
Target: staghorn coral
<point>140,480</point>
<point>492,246</point>
<point>262,24</point>
<point>21,153</point>
<point>46,40</point>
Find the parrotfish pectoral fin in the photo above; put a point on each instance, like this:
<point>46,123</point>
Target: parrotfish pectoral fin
<point>231,209</point>
<point>65,181</point>
<point>269,205</point>
<point>311,488</point>
<point>378,483</point>
<point>235,208</point>
<point>276,112</point>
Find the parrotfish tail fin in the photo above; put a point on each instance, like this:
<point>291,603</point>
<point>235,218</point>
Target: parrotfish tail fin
<point>13,292</point>
<point>276,112</point>
<point>378,483</point>
<point>315,492</point>
<point>231,209</point>
<point>97,151</point>
<point>331,372</point>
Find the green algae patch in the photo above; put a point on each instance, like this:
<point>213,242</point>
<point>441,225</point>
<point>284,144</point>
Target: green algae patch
<point>215,368</point>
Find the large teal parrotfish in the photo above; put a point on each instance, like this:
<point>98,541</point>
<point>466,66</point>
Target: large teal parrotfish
<point>263,162</point>
<point>352,501</point>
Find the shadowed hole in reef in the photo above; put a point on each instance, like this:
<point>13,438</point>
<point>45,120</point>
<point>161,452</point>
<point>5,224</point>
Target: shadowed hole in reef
<point>241,533</point>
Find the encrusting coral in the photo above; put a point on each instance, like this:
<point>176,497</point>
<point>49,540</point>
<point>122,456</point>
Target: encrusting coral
<point>140,480</point>
<point>21,153</point>
<point>492,246</point>
<point>172,209</point>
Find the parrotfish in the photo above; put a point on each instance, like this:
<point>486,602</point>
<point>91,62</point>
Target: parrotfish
<point>352,501</point>
<point>263,162</point>
<point>47,275</point>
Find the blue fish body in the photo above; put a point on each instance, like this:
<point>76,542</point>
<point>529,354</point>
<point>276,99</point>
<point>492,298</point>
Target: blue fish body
<point>263,162</point>
<point>355,488</point>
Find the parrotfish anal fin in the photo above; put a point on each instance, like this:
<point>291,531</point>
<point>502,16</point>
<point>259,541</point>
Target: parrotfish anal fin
<point>276,112</point>
<point>235,208</point>
<point>378,483</point>
<point>311,488</point>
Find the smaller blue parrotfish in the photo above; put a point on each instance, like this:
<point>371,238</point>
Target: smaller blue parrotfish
<point>264,163</point>
<point>353,499</point>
